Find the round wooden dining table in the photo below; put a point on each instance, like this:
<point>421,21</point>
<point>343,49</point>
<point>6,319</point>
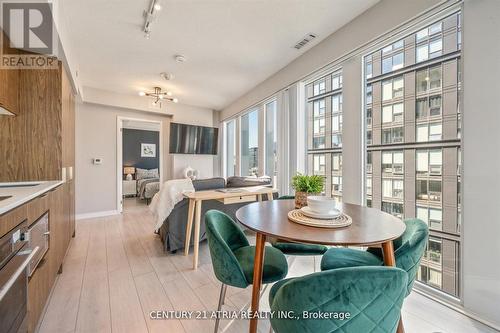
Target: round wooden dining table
<point>370,227</point>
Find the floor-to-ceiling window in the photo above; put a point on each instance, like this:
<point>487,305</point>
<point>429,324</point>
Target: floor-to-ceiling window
<point>230,148</point>
<point>412,118</point>
<point>271,140</point>
<point>249,138</point>
<point>324,143</point>
<point>256,154</point>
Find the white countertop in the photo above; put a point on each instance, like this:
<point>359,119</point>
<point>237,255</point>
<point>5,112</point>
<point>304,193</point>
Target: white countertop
<point>21,194</point>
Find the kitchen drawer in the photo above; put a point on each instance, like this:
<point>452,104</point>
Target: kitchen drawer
<point>39,286</point>
<point>37,207</point>
<point>233,200</point>
<point>12,218</point>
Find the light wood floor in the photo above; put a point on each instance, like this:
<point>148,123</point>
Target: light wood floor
<point>116,272</point>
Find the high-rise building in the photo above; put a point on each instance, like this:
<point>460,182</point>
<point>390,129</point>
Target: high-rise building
<point>324,144</point>
<point>412,113</point>
<point>254,161</point>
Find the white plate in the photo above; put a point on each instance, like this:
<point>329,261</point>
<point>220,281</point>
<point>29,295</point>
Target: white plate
<point>330,215</point>
<point>297,216</point>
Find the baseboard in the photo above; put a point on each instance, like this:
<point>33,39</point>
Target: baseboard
<point>96,214</point>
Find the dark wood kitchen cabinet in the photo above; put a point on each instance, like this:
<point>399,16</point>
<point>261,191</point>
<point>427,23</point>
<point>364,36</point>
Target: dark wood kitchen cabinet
<point>60,227</point>
<point>44,276</point>
<point>38,143</point>
<point>9,87</point>
<point>9,81</point>
<point>38,292</point>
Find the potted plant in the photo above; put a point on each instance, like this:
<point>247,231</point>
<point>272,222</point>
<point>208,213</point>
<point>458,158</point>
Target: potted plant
<point>305,186</point>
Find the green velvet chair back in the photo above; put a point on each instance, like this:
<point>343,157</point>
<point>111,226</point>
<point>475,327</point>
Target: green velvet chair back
<point>409,248</point>
<point>373,297</point>
<point>298,249</point>
<point>224,237</point>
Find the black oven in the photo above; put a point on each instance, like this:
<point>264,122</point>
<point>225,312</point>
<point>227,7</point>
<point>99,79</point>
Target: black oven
<point>15,256</point>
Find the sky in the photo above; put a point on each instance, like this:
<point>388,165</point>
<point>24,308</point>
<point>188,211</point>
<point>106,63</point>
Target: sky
<point>253,126</point>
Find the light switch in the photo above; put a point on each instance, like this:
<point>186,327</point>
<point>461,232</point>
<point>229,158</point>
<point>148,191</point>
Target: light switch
<point>97,160</point>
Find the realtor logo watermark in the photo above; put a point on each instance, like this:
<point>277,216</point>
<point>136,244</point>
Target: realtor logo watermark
<point>32,38</point>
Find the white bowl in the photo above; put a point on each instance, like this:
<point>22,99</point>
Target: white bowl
<point>321,204</point>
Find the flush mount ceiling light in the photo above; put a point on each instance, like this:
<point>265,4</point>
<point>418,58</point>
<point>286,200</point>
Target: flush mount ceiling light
<point>150,16</point>
<point>167,76</point>
<point>159,95</point>
<point>180,58</point>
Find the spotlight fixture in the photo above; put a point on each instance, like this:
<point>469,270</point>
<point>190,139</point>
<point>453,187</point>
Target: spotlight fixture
<point>150,17</point>
<point>159,95</point>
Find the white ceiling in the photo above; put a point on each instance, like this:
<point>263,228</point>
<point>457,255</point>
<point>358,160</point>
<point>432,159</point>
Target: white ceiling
<point>230,45</point>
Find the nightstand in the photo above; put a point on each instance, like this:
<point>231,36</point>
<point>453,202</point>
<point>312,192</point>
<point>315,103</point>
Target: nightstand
<point>129,188</point>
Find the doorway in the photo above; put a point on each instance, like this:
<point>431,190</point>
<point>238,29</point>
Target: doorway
<point>139,160</point>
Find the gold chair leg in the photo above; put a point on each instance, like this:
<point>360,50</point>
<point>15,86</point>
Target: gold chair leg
<point>219,307</point>
<point>401,328</point>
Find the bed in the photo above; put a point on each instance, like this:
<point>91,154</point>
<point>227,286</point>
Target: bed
<point>148,183</point>
<point>147,188</point>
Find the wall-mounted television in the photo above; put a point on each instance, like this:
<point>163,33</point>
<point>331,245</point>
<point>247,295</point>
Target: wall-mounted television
<point>190,139</point>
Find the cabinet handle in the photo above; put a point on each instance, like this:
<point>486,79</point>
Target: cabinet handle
<point>41,263</point>
<point>46,233</point>
<point>20,269</point>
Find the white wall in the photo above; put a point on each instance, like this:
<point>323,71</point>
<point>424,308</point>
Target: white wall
<point>379,19</point>
<point>481,156</point>
<point>96,137</point>
<point>203,163</point>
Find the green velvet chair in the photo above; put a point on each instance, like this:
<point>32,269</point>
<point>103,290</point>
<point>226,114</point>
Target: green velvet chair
<point>373,297</point>
<point>233,257</point>
<point>298,249</point>
<point>408,250</point>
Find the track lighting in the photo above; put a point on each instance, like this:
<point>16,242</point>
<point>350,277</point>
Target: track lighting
<point>150,16</point>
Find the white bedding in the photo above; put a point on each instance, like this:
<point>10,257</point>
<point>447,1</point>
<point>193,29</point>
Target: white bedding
<point>170,194</point>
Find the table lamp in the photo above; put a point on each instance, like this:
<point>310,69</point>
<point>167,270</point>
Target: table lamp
<point>129,171</point>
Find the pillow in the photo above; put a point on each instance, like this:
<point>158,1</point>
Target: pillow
<point>236,181</point>
<point>209,184</point>
<point>146,174</point>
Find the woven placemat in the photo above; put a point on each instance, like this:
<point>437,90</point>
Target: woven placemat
<point>297,216</point>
